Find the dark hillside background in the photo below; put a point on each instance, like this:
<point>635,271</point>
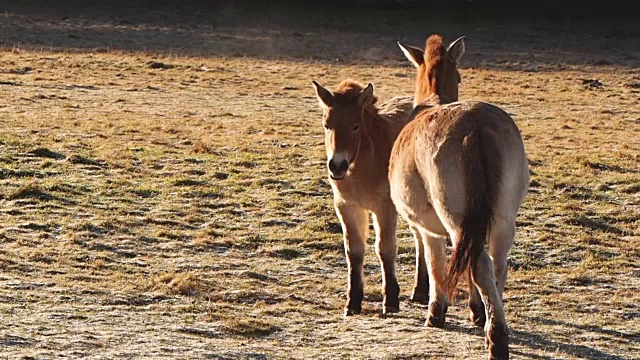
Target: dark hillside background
<point>515,33</point>
<point>543,8</point>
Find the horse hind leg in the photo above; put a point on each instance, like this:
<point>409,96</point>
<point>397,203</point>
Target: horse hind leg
<point>501,236</point>
<point>496,331</point>
<point>476,306</point>
<point>421,285</point>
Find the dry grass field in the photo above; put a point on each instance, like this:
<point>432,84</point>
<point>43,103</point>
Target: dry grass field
<point>163,191</point>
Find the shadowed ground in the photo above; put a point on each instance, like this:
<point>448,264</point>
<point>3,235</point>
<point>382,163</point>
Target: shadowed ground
<point>497,40</point>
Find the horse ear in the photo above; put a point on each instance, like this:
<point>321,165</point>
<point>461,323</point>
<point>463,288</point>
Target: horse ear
<point>323,94</point>
<point>456,49</point>
<point>366,98</point>
<point>415,55</point>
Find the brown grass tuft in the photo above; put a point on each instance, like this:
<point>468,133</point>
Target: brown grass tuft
<point>183,284</point>
<point>30,191</point>
<point>248,327</point>
<point>200,147</point>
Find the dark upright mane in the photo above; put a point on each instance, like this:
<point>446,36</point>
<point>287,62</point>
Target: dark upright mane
<point>435,50</point>
<point>434,55</point>
<point>347,91</point>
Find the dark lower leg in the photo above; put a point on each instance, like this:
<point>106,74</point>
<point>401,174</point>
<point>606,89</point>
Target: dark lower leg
<point>390,288</point>
<point>437,312</point>
<point>498,342</point>
<point>355,290</point>
<point>435,255</point>
<point>477,313</point>
<point>497,336</point>
<point>384,221</point>
<point>421,286</point>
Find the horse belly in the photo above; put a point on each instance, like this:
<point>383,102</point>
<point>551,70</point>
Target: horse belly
<point>410,197</point>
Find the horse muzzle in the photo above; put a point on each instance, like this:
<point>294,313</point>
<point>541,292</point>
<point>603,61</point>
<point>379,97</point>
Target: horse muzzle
<point>338,170</point>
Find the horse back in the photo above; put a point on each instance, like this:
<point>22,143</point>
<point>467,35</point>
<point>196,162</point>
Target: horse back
<point>467,134</point>
<point>434,146</point>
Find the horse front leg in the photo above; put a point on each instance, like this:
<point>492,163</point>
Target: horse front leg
<point>420,292</point>
<point>355,225</point>
<point>385,221</point>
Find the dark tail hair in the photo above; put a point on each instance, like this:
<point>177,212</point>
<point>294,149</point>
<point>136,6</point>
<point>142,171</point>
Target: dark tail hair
<point>480,177</point>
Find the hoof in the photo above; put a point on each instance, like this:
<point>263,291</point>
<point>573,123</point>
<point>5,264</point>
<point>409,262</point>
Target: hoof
<point>498,353</point>
<point>354,303</point>
<point>436,317</point>
<point>391,293</point>
<point>420,297</point>
<point>390,309</point>
<point>498,342</point>
<point>391,304</point>
<point>353,307</point>
<point>477,315</point>
<point>477,320</point>
<point>352,311</point>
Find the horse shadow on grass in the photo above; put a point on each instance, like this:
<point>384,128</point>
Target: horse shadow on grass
<point>521,340</point>
<point>523,344</point>
<point>540,342</point>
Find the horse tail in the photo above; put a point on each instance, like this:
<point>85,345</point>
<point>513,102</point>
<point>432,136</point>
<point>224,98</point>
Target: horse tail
<point>479,160</point>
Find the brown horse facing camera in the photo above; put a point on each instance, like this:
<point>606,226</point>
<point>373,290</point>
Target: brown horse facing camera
<point>358,139</point>
<point>459,170</point>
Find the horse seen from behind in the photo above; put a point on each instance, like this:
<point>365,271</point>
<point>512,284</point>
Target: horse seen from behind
<point>459,170</point>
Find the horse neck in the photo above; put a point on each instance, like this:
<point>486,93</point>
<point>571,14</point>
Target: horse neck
<point>423,92</point>
<point>427,90</point>
<point>431,100</point>
<point>376,140</point>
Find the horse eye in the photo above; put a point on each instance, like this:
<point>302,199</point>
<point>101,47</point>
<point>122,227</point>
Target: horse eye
<point>326,127</point>
<point>356,127</point>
